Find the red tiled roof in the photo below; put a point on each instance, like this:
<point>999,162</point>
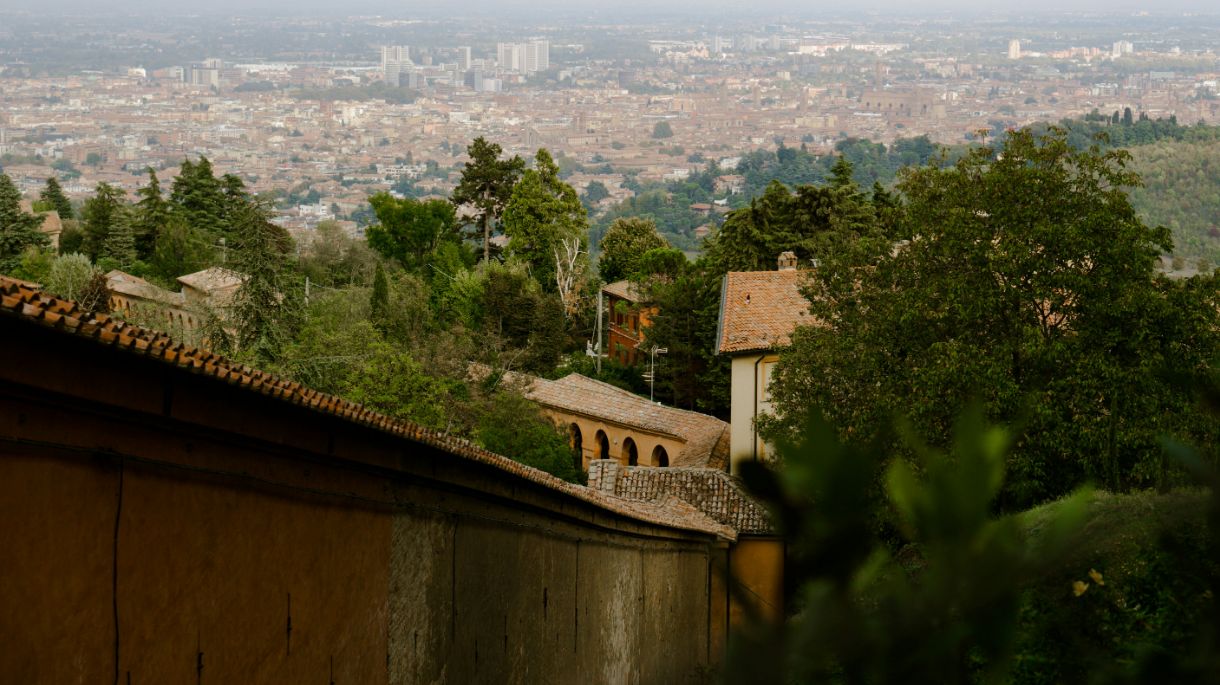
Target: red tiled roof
<point>712,491</point>
<point>760,309</point>
<point>19,301</point>
<point>705,437</point>
<point>625,290</point>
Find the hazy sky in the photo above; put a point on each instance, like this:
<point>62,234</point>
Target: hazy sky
<point>635,7</point>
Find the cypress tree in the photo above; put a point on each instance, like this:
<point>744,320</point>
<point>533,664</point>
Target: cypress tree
<point>18,229</point>
<point>54,195</point>
<point>120,243</point>
<point>197,196</point>
<point>100,214</point>
<point>151,216</point>
<point>841,173</point>
<point>234,198</point>
<point>262,306</point>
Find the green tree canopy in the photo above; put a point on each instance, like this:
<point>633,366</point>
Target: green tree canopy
<point>410,230</point>
<point>687,298</point>
<point>625,243</point>
<point>595,192</point>
<point>54,194</point>
<point>1027,284</point>
<point>810,222</point>
<point>542,213</point>
<point>150,216</point>
<point>662,129</point>
<point>100,214</point>
<point>264,307</point>
<point>18,230</point>
<point>198,197</point>
<point>180,249</point>
<point>487,184</point>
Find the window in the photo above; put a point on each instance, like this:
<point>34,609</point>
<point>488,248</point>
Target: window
<point>660,457</point>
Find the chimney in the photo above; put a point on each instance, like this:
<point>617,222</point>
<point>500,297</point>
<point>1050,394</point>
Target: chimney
<point>604,475</point>
<point>787,261</point>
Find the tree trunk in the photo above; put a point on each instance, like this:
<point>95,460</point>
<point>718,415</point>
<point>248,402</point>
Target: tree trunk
<point>486,236</point>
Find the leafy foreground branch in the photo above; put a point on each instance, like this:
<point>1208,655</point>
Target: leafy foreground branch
<point>969,597</point>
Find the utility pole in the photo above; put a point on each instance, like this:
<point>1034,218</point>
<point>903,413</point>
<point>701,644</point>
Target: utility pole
<point>598,347</point>
<point>652,368</point>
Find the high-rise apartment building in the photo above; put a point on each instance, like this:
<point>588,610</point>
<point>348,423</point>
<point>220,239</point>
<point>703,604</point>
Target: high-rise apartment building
<point>1122,47</point>
<point>528,58</point>
<point>511,56</point>
<point>1014,49</point>
<point>395,61</point>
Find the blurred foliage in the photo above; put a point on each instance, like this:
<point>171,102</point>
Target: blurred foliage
<point>944,608</point>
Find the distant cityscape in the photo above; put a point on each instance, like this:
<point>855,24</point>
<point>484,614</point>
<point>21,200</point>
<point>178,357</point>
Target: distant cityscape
<point>396,113</point>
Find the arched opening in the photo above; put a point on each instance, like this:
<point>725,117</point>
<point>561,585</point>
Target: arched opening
<point>576,441</point>
<point>603,445</point>
<point>631,454</point>
<point>659,456</point>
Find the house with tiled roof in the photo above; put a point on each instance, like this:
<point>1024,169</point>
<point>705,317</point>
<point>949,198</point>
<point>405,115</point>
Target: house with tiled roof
<point>629,315</point>
<point>52,226</point>
<point>759,310</point>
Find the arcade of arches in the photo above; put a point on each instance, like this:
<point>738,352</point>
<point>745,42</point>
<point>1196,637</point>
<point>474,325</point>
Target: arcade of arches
<point>596,440</point>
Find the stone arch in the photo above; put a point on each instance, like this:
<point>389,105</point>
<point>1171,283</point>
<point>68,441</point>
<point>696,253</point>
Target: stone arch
<point>576,441</point>
<point>603,445</point>
<point>631,453</point>
<point>660,457</point>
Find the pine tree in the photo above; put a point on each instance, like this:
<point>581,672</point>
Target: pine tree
<point>54,195</point>
<point>151,216</point>
<point>100,214</point>
<point>487,184</point>
<point>262,308</point>
<point>120,244</point>
<point>543,212</point>
<point>197,196</point>
<point>841,173</point>
<point>235,198</point>
<point>18,230</point>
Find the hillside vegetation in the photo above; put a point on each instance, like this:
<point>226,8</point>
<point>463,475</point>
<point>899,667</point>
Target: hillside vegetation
<point>1182,192</point>
<point>1134,584</point>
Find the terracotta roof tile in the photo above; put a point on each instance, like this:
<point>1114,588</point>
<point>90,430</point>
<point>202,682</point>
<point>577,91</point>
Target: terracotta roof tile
<point>718,495</point>
<point>623,289</point>
<point>759,310</point>
<point>20,301</point>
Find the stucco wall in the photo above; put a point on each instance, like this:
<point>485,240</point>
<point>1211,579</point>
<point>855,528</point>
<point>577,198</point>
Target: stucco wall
<point>616,436</point>
<point>241,539</point>
<point>748,396</point>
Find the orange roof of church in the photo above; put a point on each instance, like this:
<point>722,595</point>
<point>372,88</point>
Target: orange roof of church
<point>20,301</point>
<point>759,310</point>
